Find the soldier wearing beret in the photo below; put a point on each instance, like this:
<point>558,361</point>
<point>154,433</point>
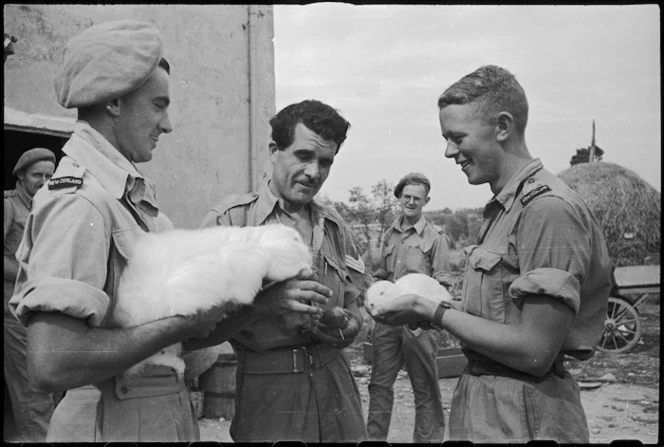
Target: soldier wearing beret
<point>78,239</point>
<point>31,408</point>
<point>410,245</point>
<point>536,284</point>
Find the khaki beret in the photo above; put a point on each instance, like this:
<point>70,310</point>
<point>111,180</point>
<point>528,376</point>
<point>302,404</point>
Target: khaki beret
<point>33,156</point>
<point>413,177</point>
<point>107,61</point>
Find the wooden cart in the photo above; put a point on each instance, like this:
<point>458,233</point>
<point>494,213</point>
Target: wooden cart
<point>622,328</point>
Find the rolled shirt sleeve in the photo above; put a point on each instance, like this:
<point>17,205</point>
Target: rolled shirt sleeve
<point>63,261</point>
<point>440,261</point>
<point>554,250</point>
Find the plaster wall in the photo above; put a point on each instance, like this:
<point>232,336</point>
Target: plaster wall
<point>222,91</point>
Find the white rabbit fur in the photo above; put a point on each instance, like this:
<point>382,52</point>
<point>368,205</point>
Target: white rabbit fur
<point>382,292</point>
<point>183,272</point>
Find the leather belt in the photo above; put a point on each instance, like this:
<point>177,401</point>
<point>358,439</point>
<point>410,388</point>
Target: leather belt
<point>293,360</point>
<point>480,365</point>
<point>145,386</point>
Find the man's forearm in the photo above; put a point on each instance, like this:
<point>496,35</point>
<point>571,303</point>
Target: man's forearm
<point>224,330</point>
<point>64,352</point>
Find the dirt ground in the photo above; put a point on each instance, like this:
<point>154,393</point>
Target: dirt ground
<point>624,405</point>
<point>620,392</point>
<point>614,411</point>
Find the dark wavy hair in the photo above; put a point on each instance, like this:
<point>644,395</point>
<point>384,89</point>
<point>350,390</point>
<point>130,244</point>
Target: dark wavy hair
<point>317,116</point>
<point>495,89</point>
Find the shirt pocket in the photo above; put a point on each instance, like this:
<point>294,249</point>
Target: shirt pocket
<point>484,284</point>
<point>417,260</point>
<point>332,277</point>
<point>388,254</point>
<point>124,241</point>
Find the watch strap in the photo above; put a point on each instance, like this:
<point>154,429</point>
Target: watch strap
<point>440,311</point>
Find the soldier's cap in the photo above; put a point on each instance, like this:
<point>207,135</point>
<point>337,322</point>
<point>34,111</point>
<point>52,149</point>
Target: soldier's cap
<point>33,156</point>
<point>107,61</point>
<point>413,177</point>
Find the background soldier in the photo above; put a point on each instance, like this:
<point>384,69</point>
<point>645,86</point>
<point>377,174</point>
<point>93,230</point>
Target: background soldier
<point>410,245</point>
<point>31,408</point>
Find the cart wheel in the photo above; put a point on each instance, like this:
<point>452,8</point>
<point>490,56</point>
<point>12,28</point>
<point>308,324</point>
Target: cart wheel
<point>622,328</point>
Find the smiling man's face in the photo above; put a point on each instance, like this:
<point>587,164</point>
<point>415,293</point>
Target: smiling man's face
<point>413,198</point>
<point>471,142</point>
<point>301,169</point>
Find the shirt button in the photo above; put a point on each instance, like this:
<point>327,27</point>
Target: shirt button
<point>124,390</point>
<point>76,165</point>
<point>531,180</point>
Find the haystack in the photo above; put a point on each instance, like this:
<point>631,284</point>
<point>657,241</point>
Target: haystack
<point>627,208</point>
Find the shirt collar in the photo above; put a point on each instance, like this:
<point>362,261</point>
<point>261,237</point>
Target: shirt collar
<point>23,195</point>
<point>418,226</point>
<point>115,173</point>
<point>267,202</point>
<point>508,194</point>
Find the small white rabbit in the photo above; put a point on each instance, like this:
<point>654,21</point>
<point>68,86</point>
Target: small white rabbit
<point>381,293</point>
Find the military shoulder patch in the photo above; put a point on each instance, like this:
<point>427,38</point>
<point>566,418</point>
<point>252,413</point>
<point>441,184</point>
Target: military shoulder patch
<point>527,198</point>
<point>64,182</point>
<point>355,264</point>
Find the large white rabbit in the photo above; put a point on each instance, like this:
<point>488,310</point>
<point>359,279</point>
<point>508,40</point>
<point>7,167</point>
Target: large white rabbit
<point>183,272</point>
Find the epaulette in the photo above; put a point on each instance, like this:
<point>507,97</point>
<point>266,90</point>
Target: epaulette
<point>10,193</point>
<point>438,228</point>
<point>233,201</point>
<point>67,178</point>
<point>531,189</point>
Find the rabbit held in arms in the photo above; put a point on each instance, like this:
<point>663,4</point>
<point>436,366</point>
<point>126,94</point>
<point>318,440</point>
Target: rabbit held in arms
<point>183,272</point>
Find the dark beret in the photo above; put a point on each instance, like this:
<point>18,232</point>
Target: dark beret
<point>33,156</point>
<point>107,61</point>
<point>413,177</point>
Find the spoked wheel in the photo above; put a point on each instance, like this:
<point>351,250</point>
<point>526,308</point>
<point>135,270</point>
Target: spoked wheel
<point>622,328</point>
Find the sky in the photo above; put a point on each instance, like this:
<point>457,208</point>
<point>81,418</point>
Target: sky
<point>384,66</point>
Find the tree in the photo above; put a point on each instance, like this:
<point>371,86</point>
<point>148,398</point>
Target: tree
<point>591,154</point>
<point>363,213</point>
<point>386,204</point>
<point>583,155</point>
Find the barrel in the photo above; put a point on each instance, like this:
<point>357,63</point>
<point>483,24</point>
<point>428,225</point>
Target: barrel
<point>218,384</point>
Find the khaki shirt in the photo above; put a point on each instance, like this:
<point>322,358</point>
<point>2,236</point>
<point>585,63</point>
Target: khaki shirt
<point>417,249</point>
<point>78,239</point>
<point>539,238</point>
<point>17,206</point>
<point>82,230</point>
<point>335,260</point>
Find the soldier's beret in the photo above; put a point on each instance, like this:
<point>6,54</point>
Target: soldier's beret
<point>413,177</point>
<point>33,156</point>
<point>107,61</point>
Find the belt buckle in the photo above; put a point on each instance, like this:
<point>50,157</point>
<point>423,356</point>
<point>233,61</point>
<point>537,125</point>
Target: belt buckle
<point>308,359</point>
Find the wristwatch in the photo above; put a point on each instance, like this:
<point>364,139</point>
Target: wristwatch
<point>440,311</point>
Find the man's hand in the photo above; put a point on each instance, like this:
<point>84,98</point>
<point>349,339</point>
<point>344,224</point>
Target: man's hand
<point>299,294</point>
<point>339,338</point>
<point>405,309</point>
<point>381,274</point>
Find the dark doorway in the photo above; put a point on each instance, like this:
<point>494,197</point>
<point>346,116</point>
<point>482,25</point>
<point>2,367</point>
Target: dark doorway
<point>16,142</point>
